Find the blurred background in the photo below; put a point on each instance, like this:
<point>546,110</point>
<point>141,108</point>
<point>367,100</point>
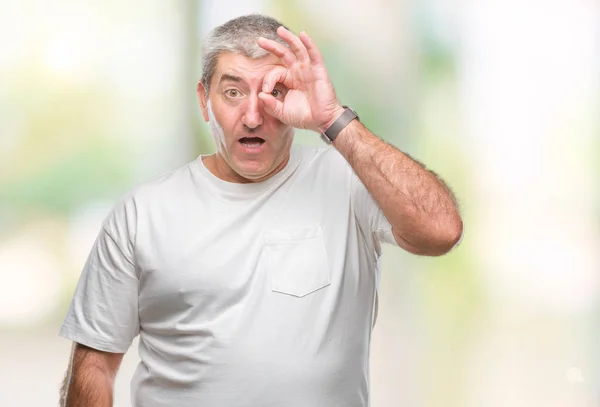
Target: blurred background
<point>501,98</point>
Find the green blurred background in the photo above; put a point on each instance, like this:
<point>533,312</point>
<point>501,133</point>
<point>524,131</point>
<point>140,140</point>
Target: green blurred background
<point>501,98</point>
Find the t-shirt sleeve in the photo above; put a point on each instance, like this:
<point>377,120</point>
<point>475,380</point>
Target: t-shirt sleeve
<point>103,313</point>
<point>370,218</point>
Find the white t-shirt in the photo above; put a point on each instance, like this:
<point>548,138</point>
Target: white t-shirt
<point>243,295</point>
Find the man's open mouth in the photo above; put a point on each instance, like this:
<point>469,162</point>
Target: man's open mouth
<point>251,142</point>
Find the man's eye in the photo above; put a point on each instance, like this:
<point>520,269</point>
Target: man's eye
<point>232,93</point>
<point>276,93</point>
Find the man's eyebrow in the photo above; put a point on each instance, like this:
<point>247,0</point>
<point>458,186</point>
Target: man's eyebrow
<point>228,77</point>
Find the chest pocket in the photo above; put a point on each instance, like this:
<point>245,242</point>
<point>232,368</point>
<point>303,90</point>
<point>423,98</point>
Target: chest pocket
<point>297,260</point>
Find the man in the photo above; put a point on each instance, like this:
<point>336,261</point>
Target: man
<point>251,275</point>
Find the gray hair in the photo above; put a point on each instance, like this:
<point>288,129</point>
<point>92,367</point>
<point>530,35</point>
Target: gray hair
<point>239,36</point>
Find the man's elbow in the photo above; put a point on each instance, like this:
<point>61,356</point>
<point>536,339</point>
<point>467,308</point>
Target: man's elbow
<point>437,243</point>
<point>450,237</point>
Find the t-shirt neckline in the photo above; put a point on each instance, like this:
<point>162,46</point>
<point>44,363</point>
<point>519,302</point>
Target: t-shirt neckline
<point>233,191</point>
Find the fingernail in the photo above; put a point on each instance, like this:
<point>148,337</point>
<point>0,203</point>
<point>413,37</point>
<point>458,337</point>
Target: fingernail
<point>265,88</point>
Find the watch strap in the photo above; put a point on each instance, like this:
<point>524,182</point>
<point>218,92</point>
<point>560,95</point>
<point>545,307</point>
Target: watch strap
<point>338,125</point>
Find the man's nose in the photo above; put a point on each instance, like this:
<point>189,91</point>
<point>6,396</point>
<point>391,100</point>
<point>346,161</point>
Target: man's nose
<point>253,115</point>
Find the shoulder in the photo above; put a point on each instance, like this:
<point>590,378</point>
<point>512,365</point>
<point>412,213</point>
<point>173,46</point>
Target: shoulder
<point>164,185</point>
<point>157,190</point>
<point>324,169</point>
<point>323,158</point>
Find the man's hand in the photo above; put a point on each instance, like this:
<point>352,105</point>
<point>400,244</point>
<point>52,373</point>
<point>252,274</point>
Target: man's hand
<point>310,102</point>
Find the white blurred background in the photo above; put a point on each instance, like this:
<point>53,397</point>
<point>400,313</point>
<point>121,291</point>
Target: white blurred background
<point>501,98</point>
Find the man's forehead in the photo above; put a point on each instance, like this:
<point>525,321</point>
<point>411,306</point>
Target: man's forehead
<point>232,65</point>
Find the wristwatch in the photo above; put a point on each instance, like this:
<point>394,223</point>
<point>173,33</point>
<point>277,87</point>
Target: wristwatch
<point>338,125</point>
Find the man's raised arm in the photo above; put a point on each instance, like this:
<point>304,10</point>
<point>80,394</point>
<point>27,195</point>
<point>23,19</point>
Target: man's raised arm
<point>419,205</point>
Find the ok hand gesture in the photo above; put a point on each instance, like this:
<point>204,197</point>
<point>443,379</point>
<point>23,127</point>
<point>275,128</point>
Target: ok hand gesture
<point>310,102</point>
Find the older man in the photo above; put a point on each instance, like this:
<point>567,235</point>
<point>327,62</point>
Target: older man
<point>251,274</point>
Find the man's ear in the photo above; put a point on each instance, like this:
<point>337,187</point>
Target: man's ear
<point>202,98</point>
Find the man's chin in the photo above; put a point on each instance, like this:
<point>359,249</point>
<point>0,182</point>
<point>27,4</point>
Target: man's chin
<point>254,169</point>
<point>253,173</point>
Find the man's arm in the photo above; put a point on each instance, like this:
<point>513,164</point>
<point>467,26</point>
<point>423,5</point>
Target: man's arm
<point>421,208</point>
<point>90,378</point>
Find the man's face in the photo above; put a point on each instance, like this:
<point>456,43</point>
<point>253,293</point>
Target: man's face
<point>252,143</point>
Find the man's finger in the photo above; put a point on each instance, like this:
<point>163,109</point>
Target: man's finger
<point>284,53</point>
<point>294,42</point>
<point>273,106</point>
<point>273,77</point>
<point>313,52</point>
